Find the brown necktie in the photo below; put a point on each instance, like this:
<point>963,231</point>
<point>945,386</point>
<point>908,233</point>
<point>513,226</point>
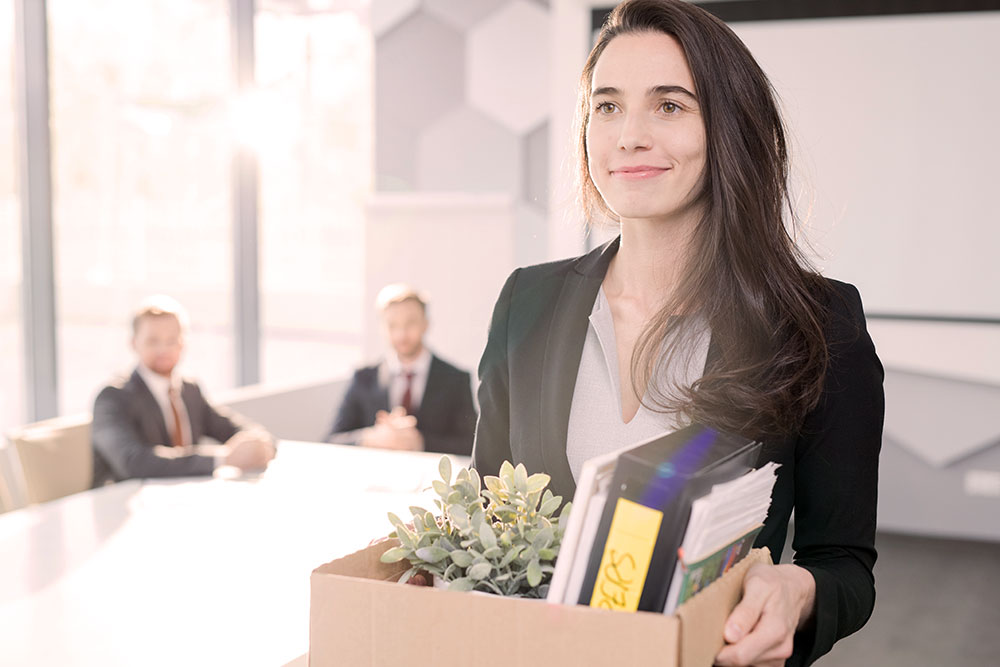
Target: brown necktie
<point>177,437</point>
<point>407,401</point>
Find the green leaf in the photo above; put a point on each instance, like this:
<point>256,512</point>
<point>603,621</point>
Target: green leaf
<point>493,553</point>
<point>469,491</point>
<point>543,538</point>
<point>487,536</point>
<point>444,468</point>
<point>441,488</point>
<point>510,556</point>
<point>458,513</point>
<point>405,537</point>
<point>462,584</point>
<point>547,554</point>
<point>395,520</point>
<point>507,474</point>
<point>537,482</point>
<point>461,558</point>
<point>409,573</point>
<point>481,571</point>
<point>432,554</point>
<point>534,572</point>
<point>417,512</point>
<point>549,506</point>
<point>395,554</point>
<point>493,483</point>
<point>521,478</point>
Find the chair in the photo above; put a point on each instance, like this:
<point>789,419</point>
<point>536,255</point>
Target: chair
<point>56,457</point>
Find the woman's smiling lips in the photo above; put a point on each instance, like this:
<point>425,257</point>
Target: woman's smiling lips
<point>638,172</point>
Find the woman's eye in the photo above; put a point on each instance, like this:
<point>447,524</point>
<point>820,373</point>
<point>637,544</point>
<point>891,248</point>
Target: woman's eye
<point>605,107</point>
<point>669,107</point>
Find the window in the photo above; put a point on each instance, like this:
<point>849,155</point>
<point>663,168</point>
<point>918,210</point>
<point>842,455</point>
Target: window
<point>141,153</point>
<point>11,357</point>
<point>313,137</point>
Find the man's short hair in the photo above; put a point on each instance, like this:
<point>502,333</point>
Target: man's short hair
<point>159,305</point>
<point>398,293</point>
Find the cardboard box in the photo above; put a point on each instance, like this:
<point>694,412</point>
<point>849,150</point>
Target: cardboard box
<point>360,617</point>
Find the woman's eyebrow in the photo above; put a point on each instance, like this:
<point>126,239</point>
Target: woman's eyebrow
<point>656,91</point>
<point>652,92</point>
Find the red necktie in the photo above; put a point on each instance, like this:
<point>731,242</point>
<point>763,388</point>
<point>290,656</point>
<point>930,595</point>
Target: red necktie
<point>408,394</point>
<point>177,437</point>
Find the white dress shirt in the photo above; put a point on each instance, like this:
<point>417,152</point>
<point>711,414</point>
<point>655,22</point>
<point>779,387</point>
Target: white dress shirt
<point>595,418</point>
<point>160,386</point>
<point>420,367</point>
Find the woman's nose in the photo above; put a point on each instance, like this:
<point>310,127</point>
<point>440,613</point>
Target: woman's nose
<point>634,133</point>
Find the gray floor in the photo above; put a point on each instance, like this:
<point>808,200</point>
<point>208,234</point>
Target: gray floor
<point>937,603</point>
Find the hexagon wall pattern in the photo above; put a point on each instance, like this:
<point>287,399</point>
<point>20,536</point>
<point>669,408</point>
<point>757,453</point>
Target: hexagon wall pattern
<point>508,67</point>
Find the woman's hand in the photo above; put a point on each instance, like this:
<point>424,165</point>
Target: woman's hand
<point>777,600</point>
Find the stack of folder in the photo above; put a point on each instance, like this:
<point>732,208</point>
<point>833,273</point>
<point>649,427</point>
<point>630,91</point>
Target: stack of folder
<point>631,516</point>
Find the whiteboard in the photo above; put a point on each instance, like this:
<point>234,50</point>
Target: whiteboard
<point>895,131</point>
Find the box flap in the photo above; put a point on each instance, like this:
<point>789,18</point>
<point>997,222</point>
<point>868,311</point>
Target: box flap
<point>365,563</point>
<point>704,616</point>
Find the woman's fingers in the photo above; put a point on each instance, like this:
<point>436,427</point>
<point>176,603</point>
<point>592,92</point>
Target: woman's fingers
<point>760,631</point>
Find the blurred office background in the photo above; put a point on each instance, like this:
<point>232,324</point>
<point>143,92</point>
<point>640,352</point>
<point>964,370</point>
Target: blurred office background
<point>273,163</point>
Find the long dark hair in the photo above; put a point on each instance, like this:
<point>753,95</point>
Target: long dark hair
<point>745,275</point>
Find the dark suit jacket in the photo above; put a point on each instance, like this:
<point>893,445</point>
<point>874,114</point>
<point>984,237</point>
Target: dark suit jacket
<point>128,424</point>
<point>829,468</point>
<point>446,417</point>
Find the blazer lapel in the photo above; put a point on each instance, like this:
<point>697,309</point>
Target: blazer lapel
<point>431,387</point>
<point>380,396</point>
<point>194,410</point>
<point>563,349</point>
<point>149,409</point>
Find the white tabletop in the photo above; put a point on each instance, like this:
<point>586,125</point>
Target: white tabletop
<point>196,571</point>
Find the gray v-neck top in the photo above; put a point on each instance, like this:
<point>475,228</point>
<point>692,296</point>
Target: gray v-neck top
<point>595,417</point>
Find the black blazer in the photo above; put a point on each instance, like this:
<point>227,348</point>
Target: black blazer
<point>829,468</point>
<point>446,417</point>
<point>128,424</point>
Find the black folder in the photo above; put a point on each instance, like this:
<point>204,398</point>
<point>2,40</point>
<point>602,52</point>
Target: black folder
<point>668,474</point>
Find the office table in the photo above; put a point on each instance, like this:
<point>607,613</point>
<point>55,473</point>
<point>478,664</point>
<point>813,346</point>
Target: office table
<point>194,571</point>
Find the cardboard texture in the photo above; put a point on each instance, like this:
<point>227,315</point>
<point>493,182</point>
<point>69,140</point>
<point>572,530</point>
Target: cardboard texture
<point>360,617</point>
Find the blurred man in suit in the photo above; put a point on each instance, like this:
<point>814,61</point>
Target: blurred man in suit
<point>413,400</point>
<point>150,423</point>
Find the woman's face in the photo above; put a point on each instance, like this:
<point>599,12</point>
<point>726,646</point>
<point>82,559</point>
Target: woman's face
<point>645,136</point>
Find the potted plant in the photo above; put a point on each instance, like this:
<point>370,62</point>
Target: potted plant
<point>502,539</point>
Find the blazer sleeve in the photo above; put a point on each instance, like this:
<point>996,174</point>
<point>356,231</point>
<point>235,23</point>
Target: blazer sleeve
<point>458,435</point>
<point>349,423</point>
<point>218,423</point>
<point>836,480</point>
<point>117,437</point>
<point>492,443</point>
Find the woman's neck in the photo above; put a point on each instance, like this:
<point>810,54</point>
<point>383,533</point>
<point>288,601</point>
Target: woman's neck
<point>650,261</point>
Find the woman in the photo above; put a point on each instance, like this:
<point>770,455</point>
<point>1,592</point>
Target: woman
<point>701,310</point>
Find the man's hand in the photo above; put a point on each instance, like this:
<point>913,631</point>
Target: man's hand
<point>394,430</point>
<point>249,450</point>
<point>777,600</point>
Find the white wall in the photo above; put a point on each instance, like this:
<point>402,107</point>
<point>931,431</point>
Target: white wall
<point>459,248</point>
